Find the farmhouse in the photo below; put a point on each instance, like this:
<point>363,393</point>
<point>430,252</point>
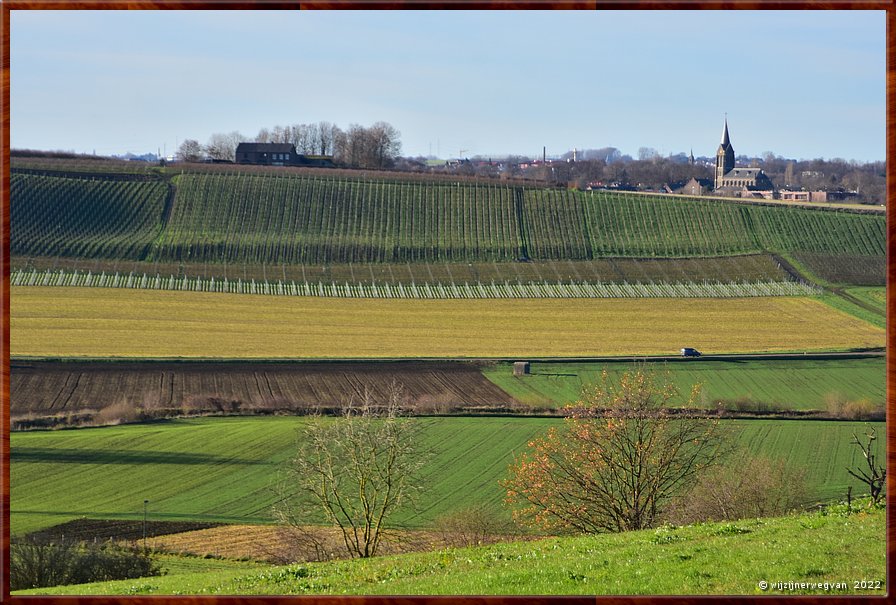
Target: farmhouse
<point>730,180</point>
<point>277,154</point>
<point>268,154</point>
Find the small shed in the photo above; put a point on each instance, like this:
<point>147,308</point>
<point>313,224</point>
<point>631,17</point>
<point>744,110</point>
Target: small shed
<point>520,368</point>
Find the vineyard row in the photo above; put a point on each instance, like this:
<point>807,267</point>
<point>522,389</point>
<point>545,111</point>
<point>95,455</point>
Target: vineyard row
<point>414,291</point>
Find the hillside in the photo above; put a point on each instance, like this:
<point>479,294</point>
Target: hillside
<point>837,554</point>
<point>217,221</point>
<point>223,469</point>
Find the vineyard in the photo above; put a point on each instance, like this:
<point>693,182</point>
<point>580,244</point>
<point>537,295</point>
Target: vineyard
<point>84,217</point>
<point>425,290</point>
<point>725,269</point>
<point>846,268</point>
<point>300,219</point>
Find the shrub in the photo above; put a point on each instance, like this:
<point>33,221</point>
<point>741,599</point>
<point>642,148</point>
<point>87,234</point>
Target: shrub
<point>749,405</point>
<point>755,486</point>
<point>120,412</point>
<point>838,406</point>
<point>472,526</point>
<point>36,564</point>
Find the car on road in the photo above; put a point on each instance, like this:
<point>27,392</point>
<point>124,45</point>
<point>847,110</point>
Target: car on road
<point>689,352</point>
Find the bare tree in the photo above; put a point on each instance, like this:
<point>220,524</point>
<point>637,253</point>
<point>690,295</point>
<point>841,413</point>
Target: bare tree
<point>356,470</point>
<point>326,138</point>
<point>280,134</point>
<point>223,146</point>
<point>619,459</point>
<point>383,145</point>
<point>189,151</point>
<point>875,474</point>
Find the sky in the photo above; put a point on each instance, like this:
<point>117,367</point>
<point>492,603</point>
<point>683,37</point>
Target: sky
<point>801,84</point>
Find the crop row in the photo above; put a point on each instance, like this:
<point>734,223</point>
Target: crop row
<point>257,219</point>
<point>83,217</point>
<point>413,290</point>
<point>302,219</point>
<point>741,268</point>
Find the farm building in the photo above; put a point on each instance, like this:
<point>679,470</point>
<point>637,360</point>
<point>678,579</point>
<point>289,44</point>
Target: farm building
<point>277,154</point>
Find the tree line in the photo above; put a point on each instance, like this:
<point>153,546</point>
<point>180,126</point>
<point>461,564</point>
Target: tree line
<point>374,146</point>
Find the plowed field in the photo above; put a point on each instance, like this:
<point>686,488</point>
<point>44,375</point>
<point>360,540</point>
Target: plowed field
<point>54,388</point>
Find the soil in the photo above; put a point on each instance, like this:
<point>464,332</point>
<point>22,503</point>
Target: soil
<point>53,388</point>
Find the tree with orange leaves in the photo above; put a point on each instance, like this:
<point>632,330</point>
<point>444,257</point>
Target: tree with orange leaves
<point>621,455</point>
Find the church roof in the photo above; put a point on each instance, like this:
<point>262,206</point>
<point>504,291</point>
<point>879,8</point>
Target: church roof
<point>725,141</point>
<point>744,172</point>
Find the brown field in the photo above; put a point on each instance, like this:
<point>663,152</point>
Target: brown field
<point>49,322</point>
<point>52,388</point>
<point>281,545</point>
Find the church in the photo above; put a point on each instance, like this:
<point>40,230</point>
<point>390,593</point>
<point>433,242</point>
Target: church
<point>730,180</point>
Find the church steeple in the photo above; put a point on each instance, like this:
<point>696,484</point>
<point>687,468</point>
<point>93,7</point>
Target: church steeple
<point>725,141</point>
<point>724,156</point>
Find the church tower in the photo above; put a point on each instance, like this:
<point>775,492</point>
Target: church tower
<point>724,157</point>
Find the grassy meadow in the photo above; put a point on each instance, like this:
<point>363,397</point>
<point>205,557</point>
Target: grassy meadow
<point>789,384</point>
<point>223,469</point>
<point>715,558</point>
<point>96,322</point>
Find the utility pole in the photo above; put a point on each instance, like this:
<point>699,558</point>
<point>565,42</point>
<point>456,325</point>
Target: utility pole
<point>145,502</point>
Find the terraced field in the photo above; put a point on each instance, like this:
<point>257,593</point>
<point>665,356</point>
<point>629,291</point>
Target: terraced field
<point>222,469</point>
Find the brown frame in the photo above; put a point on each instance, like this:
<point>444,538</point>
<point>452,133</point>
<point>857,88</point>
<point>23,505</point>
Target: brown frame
<point>9,5</point>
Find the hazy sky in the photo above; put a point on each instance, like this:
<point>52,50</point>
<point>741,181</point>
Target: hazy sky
<point>803,84</point>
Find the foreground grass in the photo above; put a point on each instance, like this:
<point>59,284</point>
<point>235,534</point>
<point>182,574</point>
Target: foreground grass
<point>755,384</point>
<point>223,469</point>
<point>718,558</point>
<point>99,322</point>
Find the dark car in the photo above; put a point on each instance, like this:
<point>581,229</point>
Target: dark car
<point>689,352</point>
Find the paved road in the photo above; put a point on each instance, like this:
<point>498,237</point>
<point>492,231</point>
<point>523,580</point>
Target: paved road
<point>23,362</point>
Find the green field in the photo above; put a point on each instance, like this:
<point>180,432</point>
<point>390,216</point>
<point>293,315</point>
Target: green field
<point>874,297</point>
<point>868,304</point>
<point>99,322</point>
<point>776,384</point>
<point>708,559</point>
<point>223,469</point>
<point>298,218</point>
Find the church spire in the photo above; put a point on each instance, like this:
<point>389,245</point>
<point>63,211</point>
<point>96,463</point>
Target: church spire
<point>725,141</point>
<point>724,157</point>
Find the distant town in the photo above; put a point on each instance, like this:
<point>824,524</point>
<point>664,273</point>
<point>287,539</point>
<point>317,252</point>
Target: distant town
<point>378,147</point>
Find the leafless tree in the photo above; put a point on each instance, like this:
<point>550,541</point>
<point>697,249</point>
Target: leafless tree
<point>223,146</point>
<point>356,470</point>
<point>326,137</point>
<point>874,474</point>
<point>189,151</point>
